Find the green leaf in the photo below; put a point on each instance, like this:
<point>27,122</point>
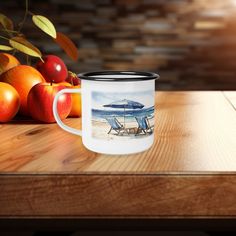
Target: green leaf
<point>45,25</point>
<point>6,22</point>
<point>5,48</point>
<point>25,46</point>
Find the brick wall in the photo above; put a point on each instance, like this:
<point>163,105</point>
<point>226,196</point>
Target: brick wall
<point>191,44</point>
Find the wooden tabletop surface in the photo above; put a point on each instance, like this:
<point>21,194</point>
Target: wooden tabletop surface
<point>190,171</point>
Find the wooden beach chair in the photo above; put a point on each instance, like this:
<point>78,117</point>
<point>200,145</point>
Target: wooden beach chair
<point>115,125</point>
<point>143,125</point>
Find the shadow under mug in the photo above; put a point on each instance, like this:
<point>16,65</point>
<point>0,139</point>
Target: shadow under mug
<point>117,111</point>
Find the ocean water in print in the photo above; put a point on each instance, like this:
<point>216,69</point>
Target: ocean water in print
<point>122,115</point>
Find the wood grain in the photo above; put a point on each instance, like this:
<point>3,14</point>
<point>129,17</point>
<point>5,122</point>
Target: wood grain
<point>118,196</point>
<point>194,131</point>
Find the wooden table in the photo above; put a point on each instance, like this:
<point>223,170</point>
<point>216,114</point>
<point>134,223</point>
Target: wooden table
<point>190,171</point>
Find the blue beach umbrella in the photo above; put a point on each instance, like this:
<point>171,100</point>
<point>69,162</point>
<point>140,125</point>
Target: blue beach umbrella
<point>125,104</point>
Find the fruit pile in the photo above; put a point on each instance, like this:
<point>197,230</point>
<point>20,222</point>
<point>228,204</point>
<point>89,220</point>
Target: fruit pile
<point>30,91</point>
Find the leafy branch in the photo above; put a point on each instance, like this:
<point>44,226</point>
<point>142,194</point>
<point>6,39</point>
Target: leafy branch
<point>25,16</point>
<point>18,41</point>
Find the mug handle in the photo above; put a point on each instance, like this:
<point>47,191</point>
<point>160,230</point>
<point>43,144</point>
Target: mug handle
<point>57,117</point>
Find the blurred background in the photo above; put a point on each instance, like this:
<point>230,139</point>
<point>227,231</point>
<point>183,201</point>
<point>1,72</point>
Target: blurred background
<point>190,43</point>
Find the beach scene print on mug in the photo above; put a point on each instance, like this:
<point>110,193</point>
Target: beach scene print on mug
<point>122,115</point>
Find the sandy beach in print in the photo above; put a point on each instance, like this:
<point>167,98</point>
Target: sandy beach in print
<point>101,128</point>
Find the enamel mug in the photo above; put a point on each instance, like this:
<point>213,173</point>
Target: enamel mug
<point>117,111</point>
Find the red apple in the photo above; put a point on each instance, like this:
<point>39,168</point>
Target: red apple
<point>76,108</point>
<point>53,69</point>
<point>73,79</point>
<point>40,101</point>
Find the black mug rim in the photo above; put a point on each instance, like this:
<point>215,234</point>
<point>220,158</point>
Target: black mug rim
<point>99,76</point>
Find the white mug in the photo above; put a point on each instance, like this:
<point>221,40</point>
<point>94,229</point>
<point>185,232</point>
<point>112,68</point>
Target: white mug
<point>117,111</point>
